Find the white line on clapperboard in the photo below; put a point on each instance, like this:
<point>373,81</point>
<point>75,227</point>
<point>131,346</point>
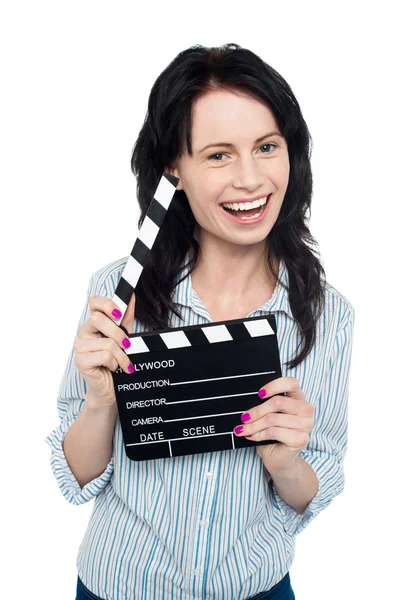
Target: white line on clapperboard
<point>213,397</point>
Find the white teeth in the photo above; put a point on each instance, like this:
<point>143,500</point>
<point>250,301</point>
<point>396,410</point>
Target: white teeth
<point>246,205</point>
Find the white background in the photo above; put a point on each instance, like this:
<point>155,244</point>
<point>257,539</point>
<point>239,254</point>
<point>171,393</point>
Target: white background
<point>75,80</point>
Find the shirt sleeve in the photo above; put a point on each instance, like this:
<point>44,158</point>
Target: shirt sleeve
<point>69,404</point>
<point>328,439</point>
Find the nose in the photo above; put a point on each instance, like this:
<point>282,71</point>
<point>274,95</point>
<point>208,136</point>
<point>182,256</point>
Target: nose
<point>247,174</point>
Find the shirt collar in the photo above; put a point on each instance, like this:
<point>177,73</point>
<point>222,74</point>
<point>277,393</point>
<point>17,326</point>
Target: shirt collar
<point>184,294</point>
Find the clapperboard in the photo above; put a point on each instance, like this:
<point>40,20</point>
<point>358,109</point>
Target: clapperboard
<point>192,383</point>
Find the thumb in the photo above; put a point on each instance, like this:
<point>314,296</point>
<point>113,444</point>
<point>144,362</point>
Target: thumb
<point>128,317</point>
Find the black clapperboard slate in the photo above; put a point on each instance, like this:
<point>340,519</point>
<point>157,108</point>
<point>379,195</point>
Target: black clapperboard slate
<point>192,383</point>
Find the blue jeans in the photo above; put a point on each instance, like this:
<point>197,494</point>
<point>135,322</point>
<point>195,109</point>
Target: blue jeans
<point>281,591</point>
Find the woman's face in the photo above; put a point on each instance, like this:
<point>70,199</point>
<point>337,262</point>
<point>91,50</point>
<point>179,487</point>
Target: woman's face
<point>243,162</point>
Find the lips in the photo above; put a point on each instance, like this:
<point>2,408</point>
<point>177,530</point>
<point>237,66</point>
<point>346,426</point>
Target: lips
<point>251,221</point>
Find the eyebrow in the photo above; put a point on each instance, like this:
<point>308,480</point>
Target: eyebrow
<point>232,145</point>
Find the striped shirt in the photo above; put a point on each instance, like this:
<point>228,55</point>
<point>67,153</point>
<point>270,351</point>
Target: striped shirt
<point>208,525</point>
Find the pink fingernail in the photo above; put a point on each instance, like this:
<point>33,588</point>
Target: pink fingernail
<point>131,368</point>
<point>116,313</point>
<point>262,393</point>
<point>238,429</point>
<point>126,342</point>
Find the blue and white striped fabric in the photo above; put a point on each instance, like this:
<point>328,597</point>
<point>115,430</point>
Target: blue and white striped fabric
<point>207,525</point>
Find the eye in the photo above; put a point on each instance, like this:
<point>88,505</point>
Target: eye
<point>217,154</point>
<point>272,145</point>
<point>222,153</point>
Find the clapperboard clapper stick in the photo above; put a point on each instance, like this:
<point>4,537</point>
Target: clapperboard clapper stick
<point>191,383</point>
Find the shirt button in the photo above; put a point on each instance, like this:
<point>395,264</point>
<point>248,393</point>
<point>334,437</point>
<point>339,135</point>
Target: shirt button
<point>209,475</point>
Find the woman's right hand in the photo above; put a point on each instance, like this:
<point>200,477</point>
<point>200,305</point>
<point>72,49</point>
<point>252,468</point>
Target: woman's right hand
<point>99,349</point>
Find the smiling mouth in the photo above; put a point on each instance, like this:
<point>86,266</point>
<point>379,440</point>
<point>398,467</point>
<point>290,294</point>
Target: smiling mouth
<point>249,214</point>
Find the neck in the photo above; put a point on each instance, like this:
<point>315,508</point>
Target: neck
<point>227,278</point>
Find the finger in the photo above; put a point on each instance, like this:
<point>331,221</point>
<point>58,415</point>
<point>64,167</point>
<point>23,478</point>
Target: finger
<point>277,404</point>
<point>290,437</point>
<point>128,317</point>
<point>99,325</point>
<point>289,385</point>
<point>89,361</point>
<point>278,420</point>
<point>105,305</point>
<point>95,345</point>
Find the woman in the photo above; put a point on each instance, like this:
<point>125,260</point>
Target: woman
<point>219,524</point>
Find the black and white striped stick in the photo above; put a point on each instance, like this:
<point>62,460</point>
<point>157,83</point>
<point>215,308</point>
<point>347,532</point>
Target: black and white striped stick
<point>146,237</point>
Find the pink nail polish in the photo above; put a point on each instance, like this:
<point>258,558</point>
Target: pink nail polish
<point>245,417</point>
<point>116,313</point>
<point>131,368</point>
<point>262,393</point>
<point>238,429</point>
<point>126,342</point>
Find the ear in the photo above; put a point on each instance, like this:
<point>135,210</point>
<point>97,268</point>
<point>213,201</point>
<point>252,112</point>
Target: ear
<point>175,172</point>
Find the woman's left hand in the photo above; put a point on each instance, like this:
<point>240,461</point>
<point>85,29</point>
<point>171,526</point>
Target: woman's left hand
<point>287,419</point>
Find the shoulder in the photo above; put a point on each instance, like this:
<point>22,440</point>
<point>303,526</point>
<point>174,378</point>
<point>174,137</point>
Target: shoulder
<point>108,276</point>
<point>337,306</point>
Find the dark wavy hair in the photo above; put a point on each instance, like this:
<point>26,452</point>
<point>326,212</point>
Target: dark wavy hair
<point>164,136</point>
